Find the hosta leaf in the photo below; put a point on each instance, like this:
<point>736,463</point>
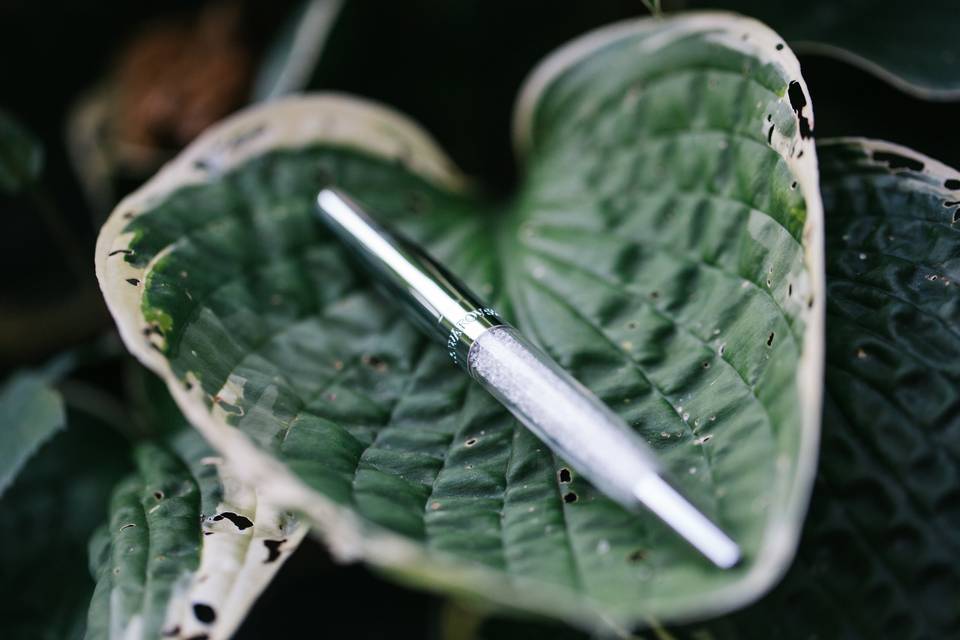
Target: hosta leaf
<point>665,247</point>
<point>188,546</point>
<point>49,512</point>
<point>30,413</point>
<point>912,46</point>
<point>880,555</point>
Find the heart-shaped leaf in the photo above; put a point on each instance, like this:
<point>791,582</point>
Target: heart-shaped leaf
<point>878,557</point>
<point>665,246</point>
<point>188,546</point>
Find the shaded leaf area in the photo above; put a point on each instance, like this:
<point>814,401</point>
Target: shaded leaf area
<point>31,412</point>
<point>187,548</point>
<point>911,45</point>
<point>21,156</point>
<point>655,251</point>
<point>879,556</point>
<point>49,512</point>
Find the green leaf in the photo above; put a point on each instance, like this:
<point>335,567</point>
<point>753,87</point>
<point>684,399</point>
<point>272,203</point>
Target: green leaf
<point>188,546</point>
<point>912,46</point>
<point>665,247</point>
<point>30,413</point>
<point>21,155</point>
<point>49,512</point>
<point>879,555</point>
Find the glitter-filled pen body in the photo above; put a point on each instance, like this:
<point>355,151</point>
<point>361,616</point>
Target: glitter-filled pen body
<point>560,411</point>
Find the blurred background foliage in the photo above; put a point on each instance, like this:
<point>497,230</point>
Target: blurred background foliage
<point>96,96</point>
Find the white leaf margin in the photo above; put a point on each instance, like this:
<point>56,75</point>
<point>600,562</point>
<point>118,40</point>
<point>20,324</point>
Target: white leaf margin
<point>235,565</point>
<point>349,121</point>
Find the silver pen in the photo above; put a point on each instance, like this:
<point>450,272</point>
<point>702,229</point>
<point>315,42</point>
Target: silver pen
<point>560,411</point>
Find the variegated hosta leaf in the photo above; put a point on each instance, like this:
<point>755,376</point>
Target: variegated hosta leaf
<point>188,546</point>
<point>665,246</point>
<point>879,556</point>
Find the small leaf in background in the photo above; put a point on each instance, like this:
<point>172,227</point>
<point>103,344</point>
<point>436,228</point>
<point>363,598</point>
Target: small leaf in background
<point>31,411</point>
<point>912,45</point>
<point>21,155</point>
<point>49,512</point>
<point>664,247</point>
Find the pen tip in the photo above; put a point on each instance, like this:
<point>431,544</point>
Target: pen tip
<point>676,511</point>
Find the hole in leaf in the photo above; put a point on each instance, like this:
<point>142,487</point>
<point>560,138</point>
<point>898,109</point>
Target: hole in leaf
<point>770,339</point>
<point>134,281</point>
<point>570,497</point>
<point>779,46</point>
<point>470,442</point>
<point>952,184</point>
<point>204,612</point>
<point>897,161</point>
<point>565,476</point>
<point>158,495</point>
<point>241,522</point>
<point>375,363</point>
<point>273,549</point>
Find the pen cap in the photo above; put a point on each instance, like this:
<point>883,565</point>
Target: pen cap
<point>440,303</point>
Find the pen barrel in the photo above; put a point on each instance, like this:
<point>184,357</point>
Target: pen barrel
<point>560,411</point>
